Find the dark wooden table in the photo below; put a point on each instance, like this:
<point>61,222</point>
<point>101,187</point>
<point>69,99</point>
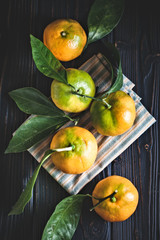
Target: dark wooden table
<point>138,39</point>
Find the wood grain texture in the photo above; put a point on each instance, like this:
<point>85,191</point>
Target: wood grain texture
<point>137,38</point>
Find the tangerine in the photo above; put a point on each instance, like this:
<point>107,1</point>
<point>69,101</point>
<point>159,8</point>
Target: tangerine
<point>81,157</point>
<point>122,202</point>
<point>65,38</point>
<point>115,119</point>
<point>64,96</point>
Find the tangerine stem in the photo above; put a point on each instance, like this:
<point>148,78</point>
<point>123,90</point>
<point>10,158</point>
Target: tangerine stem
<point>63,33</point>
<point>105,102</point>
<point>71,86</point>
<point>111,196</point>
<point>82,95</point>
<point>93,98</point>
<point>70,148</point>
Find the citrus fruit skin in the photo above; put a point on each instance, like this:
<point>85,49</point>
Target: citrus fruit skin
<point>65,38</point>
<point>63,97</point>
<point>126,199</point>
<point>116,120</point>
<point>81,157</point>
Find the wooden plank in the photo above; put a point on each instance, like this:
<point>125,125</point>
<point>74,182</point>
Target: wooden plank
<point>137,38</point>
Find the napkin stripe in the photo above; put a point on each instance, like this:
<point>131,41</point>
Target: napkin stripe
<point>108,147</point>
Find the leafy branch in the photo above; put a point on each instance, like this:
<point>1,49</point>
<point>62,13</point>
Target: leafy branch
<point>63,222</point>
<point>26,195</point>
<point>46,118</point>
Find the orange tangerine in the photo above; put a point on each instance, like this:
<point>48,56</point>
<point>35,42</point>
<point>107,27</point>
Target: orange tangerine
<point>65,38</point>
<point>120,205</point>
<point>81,157</point>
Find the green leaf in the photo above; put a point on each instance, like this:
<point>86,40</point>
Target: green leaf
<point>117,81</point>
<point>26,195</point>
<point>103,17</point>
<point>33,130</point>
<point>32,101</point>
<point>46,62</point>
<point>112,53</point>
<point>64,220</point>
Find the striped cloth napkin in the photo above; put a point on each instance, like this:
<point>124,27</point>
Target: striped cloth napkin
<point>108,147</point>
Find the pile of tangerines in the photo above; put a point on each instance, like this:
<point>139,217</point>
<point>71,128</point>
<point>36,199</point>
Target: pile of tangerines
<point>112,116</point>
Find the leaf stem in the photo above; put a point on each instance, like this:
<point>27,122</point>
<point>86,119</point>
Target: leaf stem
<point>72,119</point>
